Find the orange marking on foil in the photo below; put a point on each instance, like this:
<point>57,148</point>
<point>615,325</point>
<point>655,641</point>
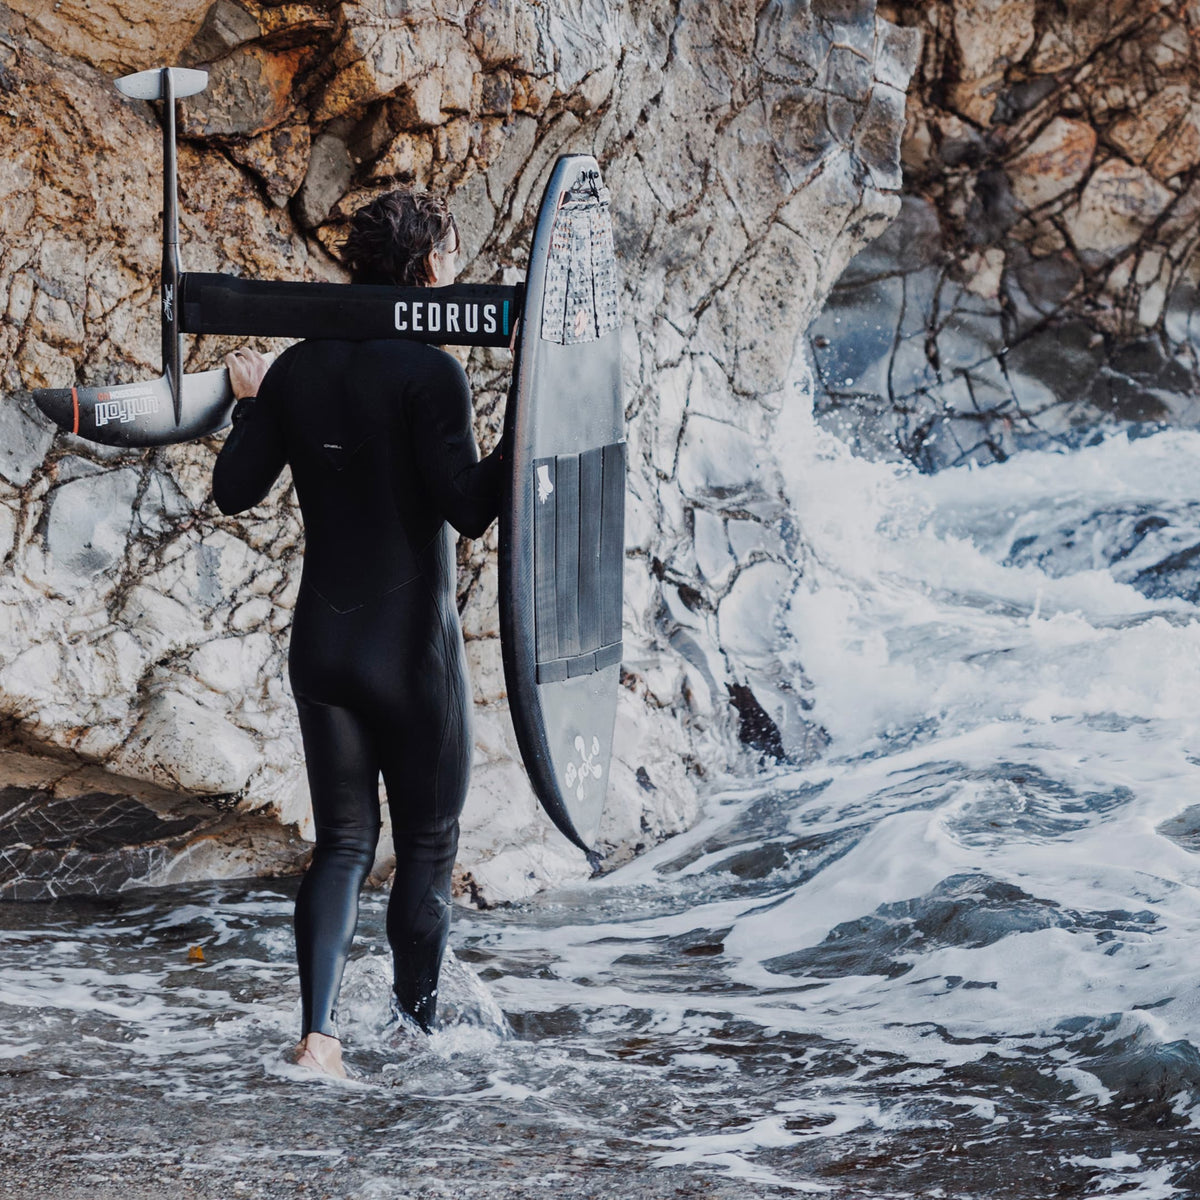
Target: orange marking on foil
<point>75,404</point>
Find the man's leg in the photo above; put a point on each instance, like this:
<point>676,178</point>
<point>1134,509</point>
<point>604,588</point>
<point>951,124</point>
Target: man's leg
<point>418,920</point>
<point>426,766</point>
<point>343,777</point>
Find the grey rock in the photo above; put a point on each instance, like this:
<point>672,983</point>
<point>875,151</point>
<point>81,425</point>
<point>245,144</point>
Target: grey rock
<point>994,209</point>
<point>25,437</point>
<point>1066,358</point>
<point>966,339</point>
<point>1147,361</point>
<point>226,26</point>
<point>1182,317</point>
<point>718,461</point>
<point>90,520</point>
<point>910,370</point>
<point>749,615</point>
<point>1039,287</point>
<point>208,574</point>
<point>98,843</point>
<point>747,538</point>
<point>584,34</point>
<point>912,241</point>
<point>801,125</point>
<point>162,504</point>
<point>798,737</point>
<point>873,138</point>
<point>848,74</point>
<point>1129,400</point>
<point>520,138</point>
<point>1022,98</point>
<point>186,746</point>
<point>853,338</point>
<point>713,556</point>
<point>330,169</point>
<point>899,54</point>
<point>474,214</point>
<point>246,95</point>
<point>789,43</point>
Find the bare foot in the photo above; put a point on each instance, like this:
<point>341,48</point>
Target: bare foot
<point>319,1052</point>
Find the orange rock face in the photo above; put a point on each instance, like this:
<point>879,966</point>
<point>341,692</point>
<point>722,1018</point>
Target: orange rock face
<point>1071,134</point>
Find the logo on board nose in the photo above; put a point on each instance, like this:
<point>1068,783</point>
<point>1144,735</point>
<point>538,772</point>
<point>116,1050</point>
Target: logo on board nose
<point>578,773</point>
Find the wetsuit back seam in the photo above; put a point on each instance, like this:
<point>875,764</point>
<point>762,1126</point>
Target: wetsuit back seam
<point>344,612</point>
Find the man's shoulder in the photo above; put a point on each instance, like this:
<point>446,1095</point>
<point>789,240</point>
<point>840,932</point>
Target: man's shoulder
<point>423,364</point>
<point>415,355</point>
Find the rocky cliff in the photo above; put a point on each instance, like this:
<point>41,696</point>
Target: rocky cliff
<point>1041,281</point>
<point>752,150</point>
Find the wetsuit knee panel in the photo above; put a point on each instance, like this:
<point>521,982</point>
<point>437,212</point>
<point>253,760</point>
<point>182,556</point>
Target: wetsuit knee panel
<point>348,839</point>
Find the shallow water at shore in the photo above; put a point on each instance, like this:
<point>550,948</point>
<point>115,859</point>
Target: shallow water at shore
<point>954,958</point>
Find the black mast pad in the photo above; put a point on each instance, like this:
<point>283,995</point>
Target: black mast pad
<point>469,314</point>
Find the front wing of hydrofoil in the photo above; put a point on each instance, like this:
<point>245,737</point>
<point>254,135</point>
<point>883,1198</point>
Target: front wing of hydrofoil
<point>142,414</point>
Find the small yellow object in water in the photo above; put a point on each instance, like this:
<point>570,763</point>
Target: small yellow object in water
<point>195,954</point>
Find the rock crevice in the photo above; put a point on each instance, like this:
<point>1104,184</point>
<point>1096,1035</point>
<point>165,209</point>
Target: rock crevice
<point>1042,278</point>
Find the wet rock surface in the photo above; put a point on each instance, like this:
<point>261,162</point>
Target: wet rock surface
<point>67,831</point>
<point>1040,284</point>
<point>1158,553</point>
<point>968,910</point>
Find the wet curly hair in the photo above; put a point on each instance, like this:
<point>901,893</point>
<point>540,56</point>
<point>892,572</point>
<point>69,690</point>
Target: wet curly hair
<point>391,238</point>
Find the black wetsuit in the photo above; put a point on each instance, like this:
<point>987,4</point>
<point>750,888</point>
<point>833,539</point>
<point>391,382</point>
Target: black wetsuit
<point>378,436</point>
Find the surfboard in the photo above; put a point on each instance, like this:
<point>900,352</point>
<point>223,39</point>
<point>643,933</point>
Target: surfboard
<point>562,547</point>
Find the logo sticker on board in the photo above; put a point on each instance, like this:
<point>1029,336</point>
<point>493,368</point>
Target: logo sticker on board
<point>544,487</point>
<point>128,406</point>
<point>577,774</point>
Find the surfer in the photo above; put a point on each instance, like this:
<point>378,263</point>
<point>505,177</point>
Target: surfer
<point>379,439</point>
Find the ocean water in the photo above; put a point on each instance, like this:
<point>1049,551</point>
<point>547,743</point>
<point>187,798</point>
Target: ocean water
<point>957,957</point>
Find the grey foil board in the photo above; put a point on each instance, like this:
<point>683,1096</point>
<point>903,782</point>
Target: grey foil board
<point>562,525</point>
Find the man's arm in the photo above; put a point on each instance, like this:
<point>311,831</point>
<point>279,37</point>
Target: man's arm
<point>465,488</point>
<point>254,452</point>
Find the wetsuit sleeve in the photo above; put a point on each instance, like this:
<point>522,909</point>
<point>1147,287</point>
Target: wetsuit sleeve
<point>254,452</point>
<point>465,488</point>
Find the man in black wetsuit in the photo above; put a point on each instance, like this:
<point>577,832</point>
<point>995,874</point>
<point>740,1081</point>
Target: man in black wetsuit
<point>379,439</point>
